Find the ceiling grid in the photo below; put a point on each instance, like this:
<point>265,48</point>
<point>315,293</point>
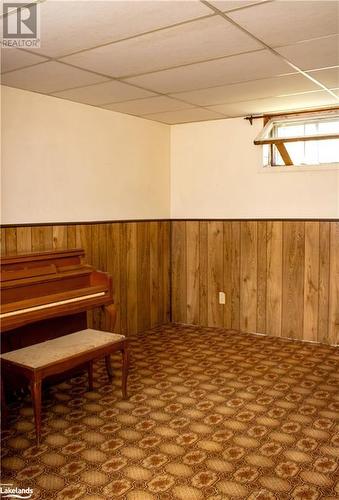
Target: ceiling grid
<point>178,62</point>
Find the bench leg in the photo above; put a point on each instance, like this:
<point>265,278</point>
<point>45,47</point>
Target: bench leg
<point>109,367</point>
<point>36,398</point>
<point>90,375</point>
<point>125,363</point>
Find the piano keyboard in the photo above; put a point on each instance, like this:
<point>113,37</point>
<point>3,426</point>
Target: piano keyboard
<point>51,304</point>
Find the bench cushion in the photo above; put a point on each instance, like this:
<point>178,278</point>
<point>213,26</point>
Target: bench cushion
<point>53,351</point>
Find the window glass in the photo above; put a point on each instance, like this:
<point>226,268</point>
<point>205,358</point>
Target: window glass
<point>308,152</point>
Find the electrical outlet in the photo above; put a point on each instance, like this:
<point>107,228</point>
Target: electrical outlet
<point>221,297</point>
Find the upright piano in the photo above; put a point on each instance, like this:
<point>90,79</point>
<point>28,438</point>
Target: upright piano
<point>45,295</point>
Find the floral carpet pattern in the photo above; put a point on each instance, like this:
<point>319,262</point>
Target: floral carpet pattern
<point>212,414</point>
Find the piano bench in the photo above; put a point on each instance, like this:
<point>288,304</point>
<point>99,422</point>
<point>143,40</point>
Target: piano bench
<point>59,355</point>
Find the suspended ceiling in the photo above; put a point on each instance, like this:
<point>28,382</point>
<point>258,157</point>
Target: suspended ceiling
<point>181,61</point>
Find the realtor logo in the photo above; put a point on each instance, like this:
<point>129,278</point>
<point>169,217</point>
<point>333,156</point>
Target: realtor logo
<point>20,25</point>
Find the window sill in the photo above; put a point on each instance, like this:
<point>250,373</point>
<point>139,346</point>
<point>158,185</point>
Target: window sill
<point>299,168</point>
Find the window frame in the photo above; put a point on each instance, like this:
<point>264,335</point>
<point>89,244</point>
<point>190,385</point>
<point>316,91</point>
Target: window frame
<point>265,138</point>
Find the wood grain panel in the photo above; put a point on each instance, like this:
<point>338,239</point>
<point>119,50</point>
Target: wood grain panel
<point>235,276</point>
<point>261,275</point>
<point>248,277</point>
<point>334,284</point>
<point>167,263</point>
<point>131,279</point>
<point>3,240</point>
<point>155,273</point>
<point>215,273</point>
<point>311,281</point>
<point>102,255</point>
<point>59,237</point>
<point>279,277</point>
<point>71,236</point>
<point>193,268</point>
<point>142,246</point>
<point>11,240</point>
<point>24,239</point>
<point>83,237</point>
<point>42,238</point>
<point>95,244</point>
<point>228,274</point>
<point>274,278</point>
<point>324,280</point>
<point>179,274</point>
<point>203,274</point>
<point>293,279</point>
<point>164,262</point>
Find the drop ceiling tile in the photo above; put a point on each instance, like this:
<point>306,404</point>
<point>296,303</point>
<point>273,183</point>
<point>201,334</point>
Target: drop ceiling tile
<point>191,42</point>
<point>75,25</point>
<point>225,5</point>
<point>12,59</point>
<point>285,22</point>
<point>328,76</point>
<point>104,93</point>
<point>287,84</point>
<point>275,104</point>
<point>185,116</point>
<point>243,67</point>
<point>49,77</point>
<point>313,54</point>
<point>149,105</point>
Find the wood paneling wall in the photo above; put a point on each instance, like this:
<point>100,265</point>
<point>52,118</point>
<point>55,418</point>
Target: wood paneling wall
<point>279,277</point>
<point>136,254</point>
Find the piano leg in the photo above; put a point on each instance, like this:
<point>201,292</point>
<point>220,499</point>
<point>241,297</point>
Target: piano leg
<point>110,316</point>
<point>109,367</point>
<point>36,398</point>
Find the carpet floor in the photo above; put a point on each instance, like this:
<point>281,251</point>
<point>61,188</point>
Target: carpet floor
<point>212,414</point>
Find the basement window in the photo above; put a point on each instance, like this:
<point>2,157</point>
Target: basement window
<point>301,141</point>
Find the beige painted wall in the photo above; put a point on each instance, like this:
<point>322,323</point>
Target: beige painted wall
<point>216,172</point>
<point>63,161</point>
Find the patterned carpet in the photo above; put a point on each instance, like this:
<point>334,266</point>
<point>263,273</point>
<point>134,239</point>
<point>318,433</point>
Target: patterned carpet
<point>212,414</point>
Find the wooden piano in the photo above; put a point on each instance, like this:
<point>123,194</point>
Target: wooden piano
<point>46,295</point>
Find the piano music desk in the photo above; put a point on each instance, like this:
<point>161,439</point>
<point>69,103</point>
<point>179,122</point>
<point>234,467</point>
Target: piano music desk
<point>59,355</point>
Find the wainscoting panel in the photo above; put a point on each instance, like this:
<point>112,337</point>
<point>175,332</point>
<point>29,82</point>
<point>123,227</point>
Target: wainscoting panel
<point>136,254</point>
<point>279,277</point>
